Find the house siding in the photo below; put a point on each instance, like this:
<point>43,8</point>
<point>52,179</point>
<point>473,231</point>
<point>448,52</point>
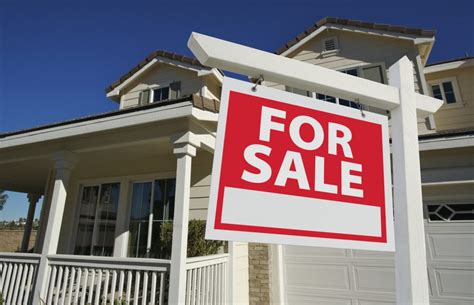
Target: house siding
<point>160,74</point>
<point>462,115</point>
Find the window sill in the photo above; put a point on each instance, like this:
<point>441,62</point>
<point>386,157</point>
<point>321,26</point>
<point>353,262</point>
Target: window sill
<point>452,106</point>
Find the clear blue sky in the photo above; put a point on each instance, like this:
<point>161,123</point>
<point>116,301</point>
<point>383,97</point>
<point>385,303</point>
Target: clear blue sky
<point>57,57</point>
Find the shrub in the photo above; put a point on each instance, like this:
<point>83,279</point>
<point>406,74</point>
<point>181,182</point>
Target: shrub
<point>197,245</point>
<point>1,298</point>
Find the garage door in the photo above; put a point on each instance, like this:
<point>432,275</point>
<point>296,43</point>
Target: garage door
<point>354,277</point>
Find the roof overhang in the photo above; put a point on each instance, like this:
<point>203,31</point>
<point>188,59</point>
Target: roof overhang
<point>444,66</point>
<point>424,44</point>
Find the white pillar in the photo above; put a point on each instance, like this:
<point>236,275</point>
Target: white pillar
<point>64,162</point>
<point>410,256</point>
<point>277,279</point>
<point>184,153</point>
<point>32,199</point>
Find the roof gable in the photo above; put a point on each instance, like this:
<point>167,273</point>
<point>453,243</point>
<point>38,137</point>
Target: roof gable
<point>341,23</point>
<point>156,56</point>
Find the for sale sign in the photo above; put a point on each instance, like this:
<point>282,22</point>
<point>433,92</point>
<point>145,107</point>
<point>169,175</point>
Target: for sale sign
<point>290,169</point>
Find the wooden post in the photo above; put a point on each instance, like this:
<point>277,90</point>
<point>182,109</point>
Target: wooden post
<point>184,153</point>
<point>64,162</point>
<point>410,255</point>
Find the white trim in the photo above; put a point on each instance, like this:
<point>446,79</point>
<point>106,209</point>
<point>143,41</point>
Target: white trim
<point>304,40</point>
<point>463,63</point>
<point>174,111</point>
<point>457,94</point>
<point>445,183</point>
<point>446,143</point>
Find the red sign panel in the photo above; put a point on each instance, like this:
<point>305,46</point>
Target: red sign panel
<point>290,169</point>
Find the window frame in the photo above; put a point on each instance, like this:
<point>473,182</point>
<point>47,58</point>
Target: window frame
<point>152,93</point>
<point>426,213</point>
<point>77,210</point>
<point>150,215</point>
<point>125,197</point>
<point>457,94</point>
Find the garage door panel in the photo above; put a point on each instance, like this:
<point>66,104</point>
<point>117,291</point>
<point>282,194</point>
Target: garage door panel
<point>372,302</point>
<point>374,279</point>
<point>455,282</point>
<point>318,276</point>
<point>296,299</point>
<point>452,246</point>
<point>373,254</point>
<point>299,251</point>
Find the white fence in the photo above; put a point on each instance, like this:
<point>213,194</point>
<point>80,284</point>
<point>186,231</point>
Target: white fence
<point>17,277</point>
<point>105,280</point>
<point>206,280</point>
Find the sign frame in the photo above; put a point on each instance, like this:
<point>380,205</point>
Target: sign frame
<point>212,232</point>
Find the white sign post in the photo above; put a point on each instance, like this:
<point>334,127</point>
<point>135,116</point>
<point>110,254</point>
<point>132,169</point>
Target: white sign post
<point>400,99</point>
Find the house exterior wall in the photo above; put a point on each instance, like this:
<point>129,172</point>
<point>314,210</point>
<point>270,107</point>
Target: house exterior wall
<point>459,115</point>
<point>135,169</point>
<point>358,50</point>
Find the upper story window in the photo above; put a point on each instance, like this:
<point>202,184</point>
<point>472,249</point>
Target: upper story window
<point>446,90</point>
<point>161,93</point>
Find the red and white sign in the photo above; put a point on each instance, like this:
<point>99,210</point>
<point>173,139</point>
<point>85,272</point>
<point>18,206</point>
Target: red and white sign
<point>290,169</point>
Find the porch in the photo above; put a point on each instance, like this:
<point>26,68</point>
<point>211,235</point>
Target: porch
<point>109,186</point>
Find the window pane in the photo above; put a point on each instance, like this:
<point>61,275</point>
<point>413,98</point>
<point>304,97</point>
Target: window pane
<point>351,72</point>
<point>85,225</point>
<point>449,92</point>
<point>169,200</point>
<point>141,198</point>
<point>158,199</point>
<point>160,94</point>
<point>137,239</point>
<point>436,92</point>
<point>107,217</point>
<point>326,98</point>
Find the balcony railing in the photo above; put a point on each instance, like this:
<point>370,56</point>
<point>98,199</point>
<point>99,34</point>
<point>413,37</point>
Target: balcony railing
<point>17,277</point>
<point>206,280</point>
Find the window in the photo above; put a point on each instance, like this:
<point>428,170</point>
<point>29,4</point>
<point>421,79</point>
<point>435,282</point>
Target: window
<point>161,94</point>
<point>371,72</point>
<point>450,212</point>
<point>446,90</point>
<point>97,219</point>
<point>152,205</point>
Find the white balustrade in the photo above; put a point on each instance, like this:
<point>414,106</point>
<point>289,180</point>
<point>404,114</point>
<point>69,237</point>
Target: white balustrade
<point>206,280</point>
<point>85,280</point>
<point>17,277</point>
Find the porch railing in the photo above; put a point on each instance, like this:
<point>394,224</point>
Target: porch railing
<point>17,277</point>
<point>206,280</point>
<point>106,280</point>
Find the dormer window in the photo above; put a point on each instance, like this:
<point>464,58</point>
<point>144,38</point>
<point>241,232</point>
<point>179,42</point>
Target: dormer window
<point>330,46</point>
<point>161,94</point>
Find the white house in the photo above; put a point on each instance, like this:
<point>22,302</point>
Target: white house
<point>110,180</point>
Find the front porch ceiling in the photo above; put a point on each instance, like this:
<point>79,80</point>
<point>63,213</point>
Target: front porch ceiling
<point>25,168</point>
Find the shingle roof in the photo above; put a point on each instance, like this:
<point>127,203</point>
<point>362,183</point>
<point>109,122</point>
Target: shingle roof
<point>197,101</point>
<point>153,55</point>
<point>359,24</point>
<point>449,133</point>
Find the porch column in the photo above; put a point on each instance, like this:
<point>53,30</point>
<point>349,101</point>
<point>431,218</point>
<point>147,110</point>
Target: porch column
<point>64,162</point>
<point>184,153</point>
<point>32,199</point>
